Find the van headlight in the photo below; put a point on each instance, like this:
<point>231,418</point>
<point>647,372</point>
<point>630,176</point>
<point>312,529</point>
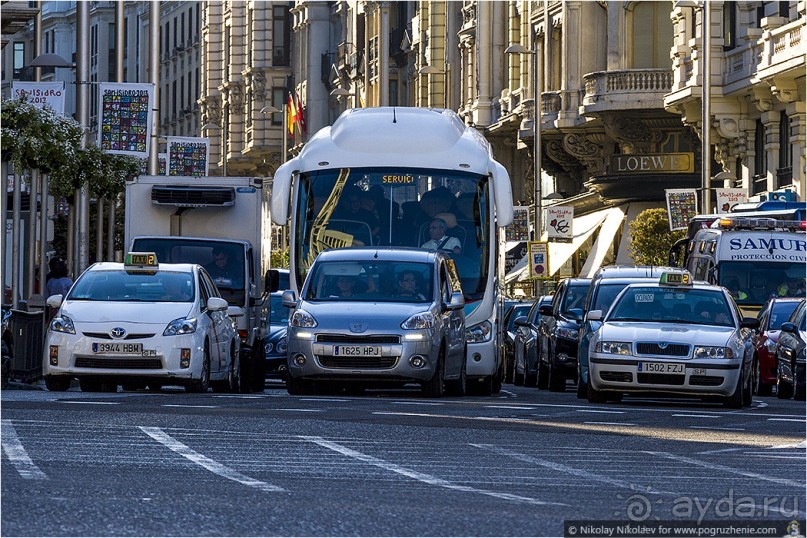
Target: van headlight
<point>710,352</point>
<point>301,318</point>
<point>481,332</point>
<point>614,348</point>
<point>180,326</point>
<point>424,320</point>
<point>62,324</point>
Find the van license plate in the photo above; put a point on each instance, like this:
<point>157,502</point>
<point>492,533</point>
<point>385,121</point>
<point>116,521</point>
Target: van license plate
<point>357,351</point>
<point>661,368</point>
<point>117,348</point>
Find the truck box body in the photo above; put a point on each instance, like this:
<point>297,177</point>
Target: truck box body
<point>185,219</point>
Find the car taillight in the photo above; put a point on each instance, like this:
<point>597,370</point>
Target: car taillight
<point>242,333</point>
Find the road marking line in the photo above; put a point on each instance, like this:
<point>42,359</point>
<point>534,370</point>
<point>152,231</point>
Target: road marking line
<point>710,465</point>
<point>509,407</point>
<point>720,450</point>
<point>421,477</point>
<point>716,428</point>
<point>87,402</point>
<point>694,416</point>
<point>323,400</point>
<point>613,423</point>
<point>192,406</point>
<point>293,409</point>
<point>569,470</point>
<point>786,419</point>
<point>600,411</point>
<point>418,403</point>
<point>17,455</point>
<point>213,466</point>
<point>803,444</point>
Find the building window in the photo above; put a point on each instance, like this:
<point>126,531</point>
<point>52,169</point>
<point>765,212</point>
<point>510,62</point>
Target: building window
<point>784,174</point>
<point>760,179</point>
<point>167,49</point>
<point>652,36</point>
<point>281,35</point>
<point>279,103</point>
<point>19,59</point>
<point>175,32</point>
<point>784,9</point>
<point>729,25</point>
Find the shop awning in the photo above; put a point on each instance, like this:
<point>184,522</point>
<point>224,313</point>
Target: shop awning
<point>583,227</point>
<point>604,241</point>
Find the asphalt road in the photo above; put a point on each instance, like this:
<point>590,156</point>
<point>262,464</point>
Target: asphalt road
<point>387,463</point>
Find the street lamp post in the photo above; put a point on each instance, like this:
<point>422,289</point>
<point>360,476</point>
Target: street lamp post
<point>269,109</point>
<point>537,81</point>
<point>341,92</point>
<point>706,142</point>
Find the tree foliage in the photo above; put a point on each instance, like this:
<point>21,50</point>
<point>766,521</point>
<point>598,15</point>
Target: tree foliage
<point>279,259</point>
<point>651,237</point>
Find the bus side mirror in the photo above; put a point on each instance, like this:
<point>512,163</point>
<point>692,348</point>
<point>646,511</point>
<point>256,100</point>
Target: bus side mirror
<point>272,280</point>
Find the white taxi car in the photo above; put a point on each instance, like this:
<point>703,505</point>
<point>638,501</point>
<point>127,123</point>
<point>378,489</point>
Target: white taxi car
<point>674,336</point>
<point>142,323</point>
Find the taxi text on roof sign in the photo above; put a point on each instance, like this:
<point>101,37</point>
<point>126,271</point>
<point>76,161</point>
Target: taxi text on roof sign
<point>143,261</point>
<point>676,279</point>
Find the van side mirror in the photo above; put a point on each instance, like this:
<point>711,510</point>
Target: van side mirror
<point>272,280</point>
<point>594,315</point>
<point>457,301</point>
<point>545,310</point>
<point>788,327</point>
<point>289,299</point>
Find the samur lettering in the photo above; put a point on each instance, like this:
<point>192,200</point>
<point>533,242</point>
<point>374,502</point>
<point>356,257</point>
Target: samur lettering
<point>770,244</point>
<point>397,179</point>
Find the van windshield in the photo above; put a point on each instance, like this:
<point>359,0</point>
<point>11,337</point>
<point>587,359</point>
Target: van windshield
<point>754,282</point>
<point>387,281</point>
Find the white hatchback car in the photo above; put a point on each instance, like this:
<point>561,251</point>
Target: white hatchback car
<point>674,336</point>
<point>142,323</point>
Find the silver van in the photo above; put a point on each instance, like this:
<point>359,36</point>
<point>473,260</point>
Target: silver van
<point>378,316</point>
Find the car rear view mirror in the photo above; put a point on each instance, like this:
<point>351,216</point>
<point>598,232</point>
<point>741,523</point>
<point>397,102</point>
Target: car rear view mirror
<point>545,310</point>
<point>575,314</point>
<point>457,301</point>
<point>55,301</point>
<point>216,304</point>
<point>787,327</point>
<point>594,315</point>
<point>289,298</point>
<point>750,323</point>
<point>521,321</point>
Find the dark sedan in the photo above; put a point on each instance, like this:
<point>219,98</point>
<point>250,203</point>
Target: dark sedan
<point>776,312</point>
<point>558,334</point>
<point>513,310</point>
<point>790,374</point>
<point>525,352</point>
<point>275,349</point>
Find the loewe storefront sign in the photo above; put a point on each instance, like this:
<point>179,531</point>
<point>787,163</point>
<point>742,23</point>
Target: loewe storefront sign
<point>666,163</point>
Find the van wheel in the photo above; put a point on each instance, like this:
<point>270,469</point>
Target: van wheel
<point>460,386</point>
<point>435,387</point>
<point>203,383</point>
<point>298,387</point>
<point>497,380</point>
<point>57,383</point>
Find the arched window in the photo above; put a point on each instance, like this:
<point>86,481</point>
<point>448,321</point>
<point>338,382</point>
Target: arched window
<point>652,35</point>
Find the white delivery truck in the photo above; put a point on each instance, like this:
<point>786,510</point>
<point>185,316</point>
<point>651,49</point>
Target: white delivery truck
<point>223,224</point>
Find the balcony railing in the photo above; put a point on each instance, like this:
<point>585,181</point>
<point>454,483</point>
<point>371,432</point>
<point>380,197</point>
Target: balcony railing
<point>630,89</point>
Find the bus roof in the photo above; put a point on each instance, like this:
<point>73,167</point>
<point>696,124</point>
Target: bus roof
<point>434,138</point>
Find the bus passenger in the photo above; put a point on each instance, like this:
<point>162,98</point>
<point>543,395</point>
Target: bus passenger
<point>439,240</point>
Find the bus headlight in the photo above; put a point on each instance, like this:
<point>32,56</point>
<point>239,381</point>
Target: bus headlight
<point>301,318</point>
<point>709,352</point>
<point>481,332</point>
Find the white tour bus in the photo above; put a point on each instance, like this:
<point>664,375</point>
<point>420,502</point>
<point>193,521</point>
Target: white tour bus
<point>754,258</point>
<point>404,177</point>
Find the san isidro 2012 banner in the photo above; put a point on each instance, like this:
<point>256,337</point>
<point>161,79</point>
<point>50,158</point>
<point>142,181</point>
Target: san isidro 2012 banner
<point>188,156</point>
<point>41,94</point>
<point>126,111</point>
<point>682,205</point>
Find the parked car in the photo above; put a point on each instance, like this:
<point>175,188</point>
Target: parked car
<point>790,372</point>
<point>558,333</point>
<point>8,347</point>
<point>368,316</point>
<point>525,349</point>
<point>142,323</point>
<point>672,336</point>
<point>513,310</point>
<point>275,346</point>
<point>607,283</point>
<point>775,312</point>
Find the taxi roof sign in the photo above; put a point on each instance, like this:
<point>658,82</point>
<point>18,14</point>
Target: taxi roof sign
<point>682,278</point>
<point>141,262</point>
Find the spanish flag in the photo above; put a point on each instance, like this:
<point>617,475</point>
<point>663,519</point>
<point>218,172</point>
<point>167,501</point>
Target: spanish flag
<point>300,117</point>
<point>291,114</point>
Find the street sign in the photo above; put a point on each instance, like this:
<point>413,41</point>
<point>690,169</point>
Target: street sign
<point>539,259</point>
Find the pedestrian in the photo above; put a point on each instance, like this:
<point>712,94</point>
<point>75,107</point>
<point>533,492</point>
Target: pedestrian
<point>59,283</point>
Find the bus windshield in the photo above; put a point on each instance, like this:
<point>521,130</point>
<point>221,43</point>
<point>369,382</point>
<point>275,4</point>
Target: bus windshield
<point>407,207</point>
<point>754,282</point>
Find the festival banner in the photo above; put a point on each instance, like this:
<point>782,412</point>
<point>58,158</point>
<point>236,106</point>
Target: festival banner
<point>682,205</point>
<point>559,223</point>
<point>126,111</point>
<point>162,159</point>
<point>519,229</point>
<point>188,156</point>
<point>41,94</point>
<point>728,198</point>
